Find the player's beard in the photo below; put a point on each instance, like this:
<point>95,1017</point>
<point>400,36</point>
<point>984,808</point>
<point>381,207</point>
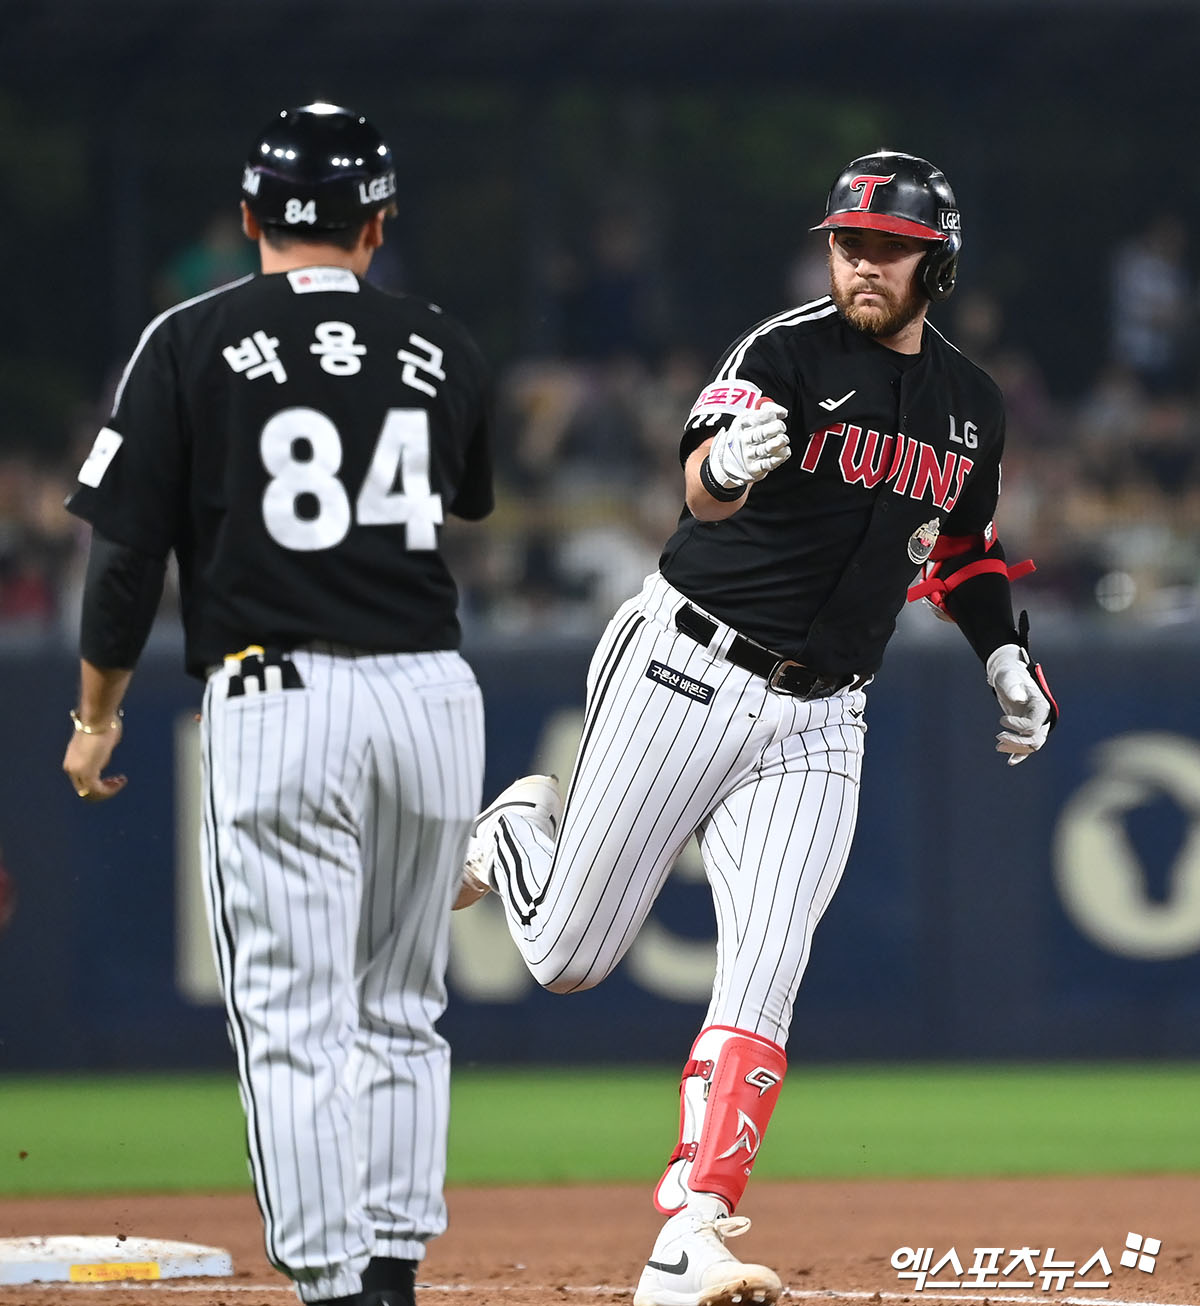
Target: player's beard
<point>879,321</point>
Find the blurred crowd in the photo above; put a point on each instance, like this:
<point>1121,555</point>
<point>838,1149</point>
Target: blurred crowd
<point>1102,489</point>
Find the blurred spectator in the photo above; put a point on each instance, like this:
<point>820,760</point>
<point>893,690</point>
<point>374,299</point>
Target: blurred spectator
<point>1152,305</point>
<point>221,254</point>
<point>609,303</point>
<point>1167,452</point>
<point>35,544</point>
<point>807,276</point>
<point>1103,492</point>
<point>977,328</point>
<point>1106,425</point>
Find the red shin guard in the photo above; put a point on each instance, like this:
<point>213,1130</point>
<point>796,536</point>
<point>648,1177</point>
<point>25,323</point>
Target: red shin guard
<point>729,1089</point>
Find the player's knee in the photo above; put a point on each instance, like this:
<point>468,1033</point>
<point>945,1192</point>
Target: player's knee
<point>568,976</point>
<point>569,984</point>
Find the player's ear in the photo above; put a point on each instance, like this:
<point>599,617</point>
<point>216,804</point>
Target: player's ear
<point>250,227</point>
<point>373,231</point>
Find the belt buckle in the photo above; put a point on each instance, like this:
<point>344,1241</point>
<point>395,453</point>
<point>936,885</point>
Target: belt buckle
<point>777,674</point>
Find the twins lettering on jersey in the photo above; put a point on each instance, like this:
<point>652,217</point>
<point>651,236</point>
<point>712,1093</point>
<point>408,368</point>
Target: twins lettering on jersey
<point>911,467</point>
<point>337,347</point>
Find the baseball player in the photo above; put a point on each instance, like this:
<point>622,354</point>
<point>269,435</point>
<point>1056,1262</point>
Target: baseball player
<point>295,439</point>
<point>840,452</point>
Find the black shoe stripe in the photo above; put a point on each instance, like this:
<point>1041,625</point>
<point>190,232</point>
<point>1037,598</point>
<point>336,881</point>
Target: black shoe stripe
<point>500,807</point>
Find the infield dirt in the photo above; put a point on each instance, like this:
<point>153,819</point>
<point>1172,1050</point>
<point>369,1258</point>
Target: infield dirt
<point>536,1246</point>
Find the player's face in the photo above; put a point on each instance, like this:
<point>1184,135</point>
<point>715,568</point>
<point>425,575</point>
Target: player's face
<point>872,276</point>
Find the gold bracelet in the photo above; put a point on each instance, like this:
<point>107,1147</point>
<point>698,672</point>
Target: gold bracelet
<point>81,729</point>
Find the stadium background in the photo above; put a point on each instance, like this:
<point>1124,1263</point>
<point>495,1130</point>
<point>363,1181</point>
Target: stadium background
<point>606,193</point>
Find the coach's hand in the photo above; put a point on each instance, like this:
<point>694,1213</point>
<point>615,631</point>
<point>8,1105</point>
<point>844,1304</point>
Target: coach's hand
<point>754,444</point>
<point>88,753</point>
<point>1028,712</point>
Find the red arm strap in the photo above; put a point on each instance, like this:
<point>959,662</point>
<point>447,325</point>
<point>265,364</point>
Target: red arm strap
<point>935,588</point>
<point>947,546</point>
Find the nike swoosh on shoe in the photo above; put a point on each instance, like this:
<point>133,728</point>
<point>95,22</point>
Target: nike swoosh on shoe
<point>680,1266</point>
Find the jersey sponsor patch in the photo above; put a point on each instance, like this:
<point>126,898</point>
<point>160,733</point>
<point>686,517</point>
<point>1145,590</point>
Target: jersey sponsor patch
<point>307,281</point>
<point>683,684</point>
<point>726,397</point>
<point>103,451</point>
<point>922,540</point>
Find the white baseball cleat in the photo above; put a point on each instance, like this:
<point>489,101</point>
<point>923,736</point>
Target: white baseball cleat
<point>691,1266</point>
<point>536,798</point>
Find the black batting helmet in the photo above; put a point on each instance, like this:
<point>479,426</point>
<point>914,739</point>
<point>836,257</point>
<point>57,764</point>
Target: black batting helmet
<point>889,191</point>
<point>318,168</point>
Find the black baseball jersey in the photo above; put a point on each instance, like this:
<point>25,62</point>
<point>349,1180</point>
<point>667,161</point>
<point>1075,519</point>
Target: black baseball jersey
<point>888,451</point>
<point>296,439</point>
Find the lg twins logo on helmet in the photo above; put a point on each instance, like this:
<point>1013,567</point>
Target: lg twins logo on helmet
<point>867,184</point>
<point>949,220</point>
<point>250,180</point>
<point>377,189</point>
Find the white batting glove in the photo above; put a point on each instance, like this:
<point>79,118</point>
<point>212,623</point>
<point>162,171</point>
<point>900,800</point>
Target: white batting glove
<point>754,444</point>
<point>1026,710</point>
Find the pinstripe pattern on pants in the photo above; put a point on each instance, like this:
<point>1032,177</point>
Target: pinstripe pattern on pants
<point>335,825</point>
<point>768,782</point>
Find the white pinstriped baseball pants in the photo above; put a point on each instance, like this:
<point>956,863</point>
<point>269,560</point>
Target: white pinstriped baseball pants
<point>335,823</point>
<point>769,782</point>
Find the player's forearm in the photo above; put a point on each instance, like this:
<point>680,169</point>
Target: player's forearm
<point>700,503</point>
<point>101,691</point>
<point>982,607</point>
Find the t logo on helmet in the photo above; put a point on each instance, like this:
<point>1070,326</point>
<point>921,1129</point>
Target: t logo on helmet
<point>867,185</point>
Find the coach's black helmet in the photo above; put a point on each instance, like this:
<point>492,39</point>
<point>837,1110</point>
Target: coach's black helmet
<point>889,191</point>
<point>318,168</point>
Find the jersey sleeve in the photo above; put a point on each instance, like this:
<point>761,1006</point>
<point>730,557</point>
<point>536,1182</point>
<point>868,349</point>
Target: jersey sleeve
<point>975,508</point>
<point>475,495</point>
<point>129,486</point>
<point>753,372</point>
<point>971,569</point>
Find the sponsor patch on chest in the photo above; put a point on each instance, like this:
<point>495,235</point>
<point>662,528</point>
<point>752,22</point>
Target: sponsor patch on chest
<point>683,684</point>
<point>922,540</point>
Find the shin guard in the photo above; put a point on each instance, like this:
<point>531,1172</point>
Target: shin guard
<point>728,1091</point>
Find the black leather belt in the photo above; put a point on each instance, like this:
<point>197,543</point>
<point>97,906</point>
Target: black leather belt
<point>782,674</point>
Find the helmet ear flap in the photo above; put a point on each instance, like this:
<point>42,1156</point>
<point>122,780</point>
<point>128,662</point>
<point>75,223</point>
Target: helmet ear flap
<point>939,268</point>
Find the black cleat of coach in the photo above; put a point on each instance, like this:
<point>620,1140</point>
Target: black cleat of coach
<point>386,1282</point>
